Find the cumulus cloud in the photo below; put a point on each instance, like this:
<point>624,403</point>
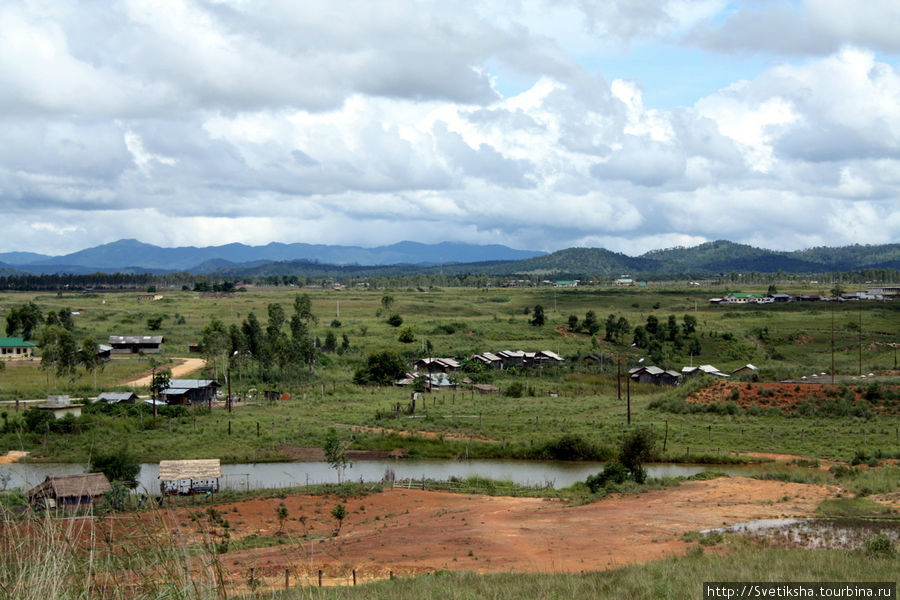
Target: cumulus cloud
<point>191,122</point>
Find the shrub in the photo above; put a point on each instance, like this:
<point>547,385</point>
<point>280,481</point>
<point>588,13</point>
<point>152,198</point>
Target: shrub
<point>880,545</point>
<point>614,472</point>
<point>514,390</point>
<point>395,321</point>
<point>638,447</point>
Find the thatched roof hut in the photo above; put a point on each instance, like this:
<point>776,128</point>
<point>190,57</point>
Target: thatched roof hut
<point>70,490</point>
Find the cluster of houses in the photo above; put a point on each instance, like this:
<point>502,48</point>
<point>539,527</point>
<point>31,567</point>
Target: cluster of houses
<point>182,477</point>
<point>884,293</point>
<point>437,373</point>
<point>658,376</point>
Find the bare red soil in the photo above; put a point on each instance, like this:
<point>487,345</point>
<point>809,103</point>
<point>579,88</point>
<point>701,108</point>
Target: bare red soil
<point>410,532</point>
<point>775,395</point>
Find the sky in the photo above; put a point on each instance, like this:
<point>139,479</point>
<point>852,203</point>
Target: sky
<point>630,125</point>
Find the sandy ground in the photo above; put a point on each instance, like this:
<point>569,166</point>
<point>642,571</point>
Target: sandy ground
<point>12,456</point>
<point>410,532</point>
<point>183,366</point>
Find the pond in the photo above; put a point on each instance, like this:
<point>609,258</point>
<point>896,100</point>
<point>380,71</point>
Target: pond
<point>557,474</point>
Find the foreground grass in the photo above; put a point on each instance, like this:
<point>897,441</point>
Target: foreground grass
<point>676,578</point>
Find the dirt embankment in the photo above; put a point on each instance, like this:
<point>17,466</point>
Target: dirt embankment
<point>776,394</point>
<point>411,532</point>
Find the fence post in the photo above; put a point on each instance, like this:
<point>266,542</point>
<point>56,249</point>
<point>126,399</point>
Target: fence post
<point>287,579</point>
<point>354,576</point>
<point>320,577</point>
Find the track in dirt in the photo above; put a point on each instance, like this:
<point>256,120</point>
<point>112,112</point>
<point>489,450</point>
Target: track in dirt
<point>185,367</point>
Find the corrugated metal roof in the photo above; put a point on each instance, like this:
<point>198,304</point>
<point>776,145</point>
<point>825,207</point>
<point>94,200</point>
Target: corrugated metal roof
<point>135,339</point>
<point>206,468</point>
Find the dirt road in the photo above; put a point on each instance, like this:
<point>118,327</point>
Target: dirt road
<point>183,366</point>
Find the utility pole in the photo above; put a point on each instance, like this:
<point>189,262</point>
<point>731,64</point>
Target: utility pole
<point>153,389</point>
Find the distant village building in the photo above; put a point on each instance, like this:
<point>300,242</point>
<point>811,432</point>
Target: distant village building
<point>708,369</point>
<point>134,344</point>
<point>654,375</point>
<point>16,348</point>
<point>117,397</point>
<point>189,391</point>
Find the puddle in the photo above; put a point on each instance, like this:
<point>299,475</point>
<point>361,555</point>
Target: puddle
<point>815,533</point>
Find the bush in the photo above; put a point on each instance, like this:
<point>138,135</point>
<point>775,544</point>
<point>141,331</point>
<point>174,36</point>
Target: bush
<point>572,447</point>
<point>614,472</point>
<point>514,390</point>
<point>880,545</point>
<point>638,447</point>
<point>395,321</point>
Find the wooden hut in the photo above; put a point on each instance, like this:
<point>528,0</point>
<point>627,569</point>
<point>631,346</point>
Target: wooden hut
<point>189,476</point>
<point>69,491</point>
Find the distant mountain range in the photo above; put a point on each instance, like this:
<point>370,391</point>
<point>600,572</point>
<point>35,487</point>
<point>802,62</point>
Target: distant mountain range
<point>240,260</point>
<point>132,256</point>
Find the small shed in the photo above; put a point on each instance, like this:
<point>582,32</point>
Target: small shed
<point>189,476</point>
<point>60,406</point>
<point>69,490</point>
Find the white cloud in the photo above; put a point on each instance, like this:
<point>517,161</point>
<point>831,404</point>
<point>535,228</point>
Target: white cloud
<point>183,122</point>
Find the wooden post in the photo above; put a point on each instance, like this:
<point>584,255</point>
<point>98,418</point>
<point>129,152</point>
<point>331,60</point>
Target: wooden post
<point>287,579</point>
<point>709,433</point>
<point>320,577</point>
<point>257,429</point>
<point>666,438</point>
<point>229,427</point>
<point>354,576</point>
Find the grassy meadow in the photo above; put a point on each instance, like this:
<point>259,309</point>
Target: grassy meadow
<point>577,398</point>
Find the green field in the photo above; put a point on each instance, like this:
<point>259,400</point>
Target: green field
<point>576,398</point>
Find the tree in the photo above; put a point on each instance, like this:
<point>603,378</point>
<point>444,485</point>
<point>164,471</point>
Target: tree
<point>407,336</point>
<point>160,382</point>
<point>387,302</point>
<point>154,323</point>
<point>610,327</point>
<point>87,356</point>
<point>330,341</point>
<point>282,513</point>
<point>383,368</point>
<point>638,447</point>
<point>58,349</point>
<point>537,316</point>
<point>573,322</point>
<point>689,324</point>
<point>395,320</point>
<point>338,512</point>
<point>24,319</point>
<point>215,343</point>
<point>335,453</point>
<point>119,465</point>
<point>590,323</point>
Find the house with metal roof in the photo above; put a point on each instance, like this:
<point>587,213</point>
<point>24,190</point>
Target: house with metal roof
<point>654,375</point>
<point>189,391</point>
<point>16,348</point>
<point>117,397</point>
<point>134,344</point>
